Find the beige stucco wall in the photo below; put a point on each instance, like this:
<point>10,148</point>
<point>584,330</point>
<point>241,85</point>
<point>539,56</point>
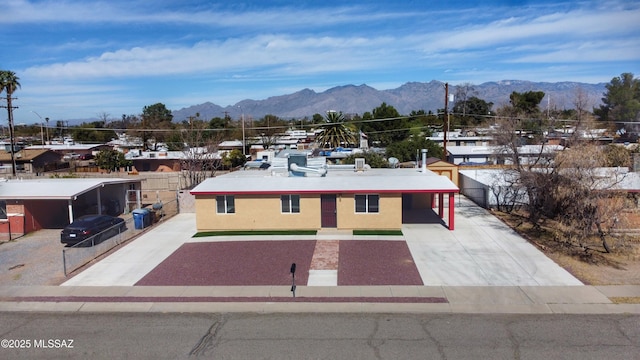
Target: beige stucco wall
<point>389,216</point>
<point>258,212</point>
<point>262,212</point>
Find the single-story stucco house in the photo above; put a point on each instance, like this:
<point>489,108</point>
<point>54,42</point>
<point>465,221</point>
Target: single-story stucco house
<point>296,196</point>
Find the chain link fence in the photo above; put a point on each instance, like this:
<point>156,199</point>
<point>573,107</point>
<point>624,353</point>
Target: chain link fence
<point>82,253</point>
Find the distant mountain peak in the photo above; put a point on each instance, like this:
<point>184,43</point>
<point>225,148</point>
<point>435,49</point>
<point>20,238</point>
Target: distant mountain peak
<point>358,99</point>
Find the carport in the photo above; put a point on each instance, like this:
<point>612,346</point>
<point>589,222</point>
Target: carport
<point>28,205</point>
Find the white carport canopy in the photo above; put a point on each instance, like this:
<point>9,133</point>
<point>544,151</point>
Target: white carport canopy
<point>55,189</point>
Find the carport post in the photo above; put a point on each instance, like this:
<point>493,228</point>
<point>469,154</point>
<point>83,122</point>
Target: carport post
<point>99,199</point>
<point>70,206</point>
<point>64,262</point>
<point>451,210</point>
<point>441,205</point>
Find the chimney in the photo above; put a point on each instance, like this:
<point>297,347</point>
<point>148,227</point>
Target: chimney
<point>424,160</point>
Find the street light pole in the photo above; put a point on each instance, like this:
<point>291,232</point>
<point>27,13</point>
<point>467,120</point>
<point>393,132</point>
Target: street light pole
<point>47,120</point>
<point>445,120</point>
<point>244,151</point>
<point>41,132</point>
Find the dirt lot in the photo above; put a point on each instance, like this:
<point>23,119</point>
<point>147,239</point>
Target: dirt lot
<point>593,267</point>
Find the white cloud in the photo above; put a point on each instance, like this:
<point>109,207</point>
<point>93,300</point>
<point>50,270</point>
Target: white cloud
<point>214,15</point>
<point>226,53</point>
<point>266,53</point>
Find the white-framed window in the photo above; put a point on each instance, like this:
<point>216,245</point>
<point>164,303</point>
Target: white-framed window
<point>290,204</point>
<point>225,204</point>
<point>367,203</point>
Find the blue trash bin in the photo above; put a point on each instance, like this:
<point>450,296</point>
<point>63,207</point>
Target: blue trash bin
<point>141,218</point>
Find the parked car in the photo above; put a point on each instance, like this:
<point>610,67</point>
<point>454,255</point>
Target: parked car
<point>72,156</point>
<point>84,227</point>
<point>86,156</point>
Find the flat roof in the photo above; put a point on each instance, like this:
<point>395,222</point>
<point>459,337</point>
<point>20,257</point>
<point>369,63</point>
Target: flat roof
<point>66,147</point>
<point>493,150</point>
<point>336,181</point>
<point>53,189</point>
<point>612,178</point>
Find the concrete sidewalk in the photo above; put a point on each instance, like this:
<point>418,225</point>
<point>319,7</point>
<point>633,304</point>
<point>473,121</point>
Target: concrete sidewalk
<point>274,299</point>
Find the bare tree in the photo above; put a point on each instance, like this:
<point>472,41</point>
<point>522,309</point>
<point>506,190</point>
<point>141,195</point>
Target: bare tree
<point>463,92</point>
<point>104,118</point>
<point>507,191</point>
<point>200,156</point>
<point>588,198</point>
<point>536,173</point>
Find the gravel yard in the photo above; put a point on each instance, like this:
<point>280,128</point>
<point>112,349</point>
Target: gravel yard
<point>34,259</point>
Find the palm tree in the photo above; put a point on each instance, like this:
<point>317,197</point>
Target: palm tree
<point>336,132</point>
<point>9,82</point>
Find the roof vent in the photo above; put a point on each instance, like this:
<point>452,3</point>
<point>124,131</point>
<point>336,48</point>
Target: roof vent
<point>359,164</point>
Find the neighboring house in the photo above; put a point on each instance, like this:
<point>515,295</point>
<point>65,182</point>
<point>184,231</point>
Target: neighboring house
<point>72,151</point>
<point>480,155</point>
<point>313,197</point>
<point>30,205</point>
<point>124,143</point>
<point>457,138</point>
<point>167,161</point>
<point>28,160</point>
<point>229,145</point>
<point>160,161</point>
<point>491,187</point>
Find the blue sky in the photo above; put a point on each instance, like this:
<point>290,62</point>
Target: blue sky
<point>80,58</point>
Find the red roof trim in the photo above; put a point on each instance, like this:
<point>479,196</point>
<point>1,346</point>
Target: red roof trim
<point>372,191</point>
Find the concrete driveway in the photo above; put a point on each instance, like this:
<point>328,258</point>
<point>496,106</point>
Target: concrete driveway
<point>481,251</point>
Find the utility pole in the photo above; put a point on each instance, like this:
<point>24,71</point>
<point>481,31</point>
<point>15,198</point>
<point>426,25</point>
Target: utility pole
<point>47,120</point>
<point>445,120</point>
<point>244,151</point>
<point>11,139</point>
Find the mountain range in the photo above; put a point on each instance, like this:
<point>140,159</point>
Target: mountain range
<point>429,96</point>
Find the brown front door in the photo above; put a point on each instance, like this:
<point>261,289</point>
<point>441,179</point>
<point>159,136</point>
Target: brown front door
<point>328,214</point>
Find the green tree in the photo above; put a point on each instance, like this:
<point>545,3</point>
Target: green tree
<point>336,132</point>
<point>222,127</point>
<point>155,125</point>
<point>233,158</point>
<point>9,82</point>
<point>621,102</point>
<point>472,111</point>
<point>93,132</point>
<point>411,149</point>
<point>371,158</point>
<point>386,127</point>
<point>526,103</point>
<point>111,160</point>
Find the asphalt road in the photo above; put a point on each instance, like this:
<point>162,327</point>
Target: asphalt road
<point>318,336</point>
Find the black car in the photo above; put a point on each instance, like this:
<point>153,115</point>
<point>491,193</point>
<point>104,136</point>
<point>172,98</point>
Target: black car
<point>87,226</point>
